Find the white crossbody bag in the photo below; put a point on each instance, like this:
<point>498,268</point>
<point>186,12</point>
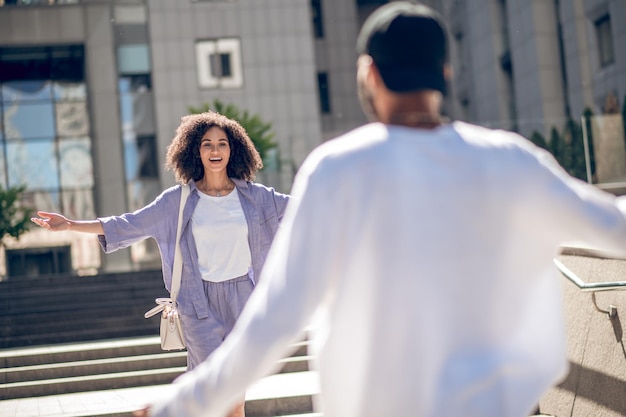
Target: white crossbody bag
<point>171,328</point>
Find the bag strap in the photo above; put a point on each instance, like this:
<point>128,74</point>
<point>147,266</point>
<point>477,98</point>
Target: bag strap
<point>178,258</point>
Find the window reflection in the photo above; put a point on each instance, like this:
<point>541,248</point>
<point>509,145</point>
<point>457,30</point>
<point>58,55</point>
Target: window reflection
<point>136,104</point>
<point>133,59</point>
<point>44,137</point>
<point>30,163</point>
<point>78,204</point>
<point>67,91</point>
<point>32,120</point>
<point>26,91</point>
<point>44,129</point>
<point>43,200</point>
<point>75,163</point>
<point>72,119</point>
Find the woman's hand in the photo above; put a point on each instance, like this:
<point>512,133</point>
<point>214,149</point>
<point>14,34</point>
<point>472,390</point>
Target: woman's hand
<point>51,221</point>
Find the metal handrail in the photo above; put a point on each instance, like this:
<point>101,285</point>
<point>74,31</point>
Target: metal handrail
<point>589,287</point>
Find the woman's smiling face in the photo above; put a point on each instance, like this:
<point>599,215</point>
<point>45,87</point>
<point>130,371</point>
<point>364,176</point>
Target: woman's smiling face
<point>214,150</point>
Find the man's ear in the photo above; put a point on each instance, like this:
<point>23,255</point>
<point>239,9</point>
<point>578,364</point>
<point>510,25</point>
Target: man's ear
<point>448,73</point>
<point>367,71</point>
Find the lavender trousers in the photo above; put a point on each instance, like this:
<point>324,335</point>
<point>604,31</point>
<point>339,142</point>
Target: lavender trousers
<point>226,300</point>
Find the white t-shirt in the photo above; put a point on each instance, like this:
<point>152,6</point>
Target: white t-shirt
<point>427,256</point>
<point>220,231</point>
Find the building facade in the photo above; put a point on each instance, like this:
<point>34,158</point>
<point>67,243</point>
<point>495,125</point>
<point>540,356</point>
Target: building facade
<point>529,65</point>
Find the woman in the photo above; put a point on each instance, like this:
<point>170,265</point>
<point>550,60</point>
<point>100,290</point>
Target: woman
<point>228,226</point>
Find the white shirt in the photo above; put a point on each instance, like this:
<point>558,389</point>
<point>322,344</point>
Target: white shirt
<point>220,230</point>
<point>426,259</point>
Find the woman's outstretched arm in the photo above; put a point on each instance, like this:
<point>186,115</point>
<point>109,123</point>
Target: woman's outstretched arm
<point>57,222</point>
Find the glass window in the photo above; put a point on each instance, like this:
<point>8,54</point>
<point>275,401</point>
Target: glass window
<point>61,62</point>
<point>13,91</point>
<point>140,157</point>
<point>29,120</point>
<point>44,201</point>
<point>75,163</point>
<point>126,113</point>
<point>32,163</point>
<point>68,91</point>
<point>131,156</point>
<point>605,41</point>
<point>135,83</point>
<point>323,91</point>
<point>136,106</point>
<point>141,193</point>
<point>44,140</point>
<point>34,262</point>
<point>72,119</point>
<point>78,204</point>
<point>133,59</point>
<point>146,147</point>
<point>318,23</point>
<point>219,63</point>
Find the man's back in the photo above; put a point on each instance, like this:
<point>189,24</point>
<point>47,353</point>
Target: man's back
<point>435,249</point>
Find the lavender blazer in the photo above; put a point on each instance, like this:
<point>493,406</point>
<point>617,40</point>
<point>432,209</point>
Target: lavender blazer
<point>263,208</point>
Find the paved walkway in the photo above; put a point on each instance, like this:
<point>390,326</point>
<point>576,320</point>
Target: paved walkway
<point>110,402</point>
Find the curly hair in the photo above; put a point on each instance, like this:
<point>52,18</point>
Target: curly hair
<point>183,154</point>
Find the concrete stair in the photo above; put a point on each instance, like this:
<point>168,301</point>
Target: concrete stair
<point>67,309</point>
<point>105,368</point>
<point>75,346</point>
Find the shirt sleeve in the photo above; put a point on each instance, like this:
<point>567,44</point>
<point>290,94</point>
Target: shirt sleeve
<point>281,200</point>
<point>587,216</point>
<point>129,228</point>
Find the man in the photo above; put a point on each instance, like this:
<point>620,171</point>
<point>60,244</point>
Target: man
<point>421,250</point>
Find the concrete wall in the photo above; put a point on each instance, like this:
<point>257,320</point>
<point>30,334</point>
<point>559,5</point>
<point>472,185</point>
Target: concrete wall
<point>596,384</point>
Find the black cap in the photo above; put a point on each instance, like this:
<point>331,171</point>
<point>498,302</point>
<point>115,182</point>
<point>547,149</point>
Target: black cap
<point>408,44</point>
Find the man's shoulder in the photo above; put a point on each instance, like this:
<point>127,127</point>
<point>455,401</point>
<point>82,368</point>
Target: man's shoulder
<point>502,147</point>
<point>471,131</point>
<point>353,140</point>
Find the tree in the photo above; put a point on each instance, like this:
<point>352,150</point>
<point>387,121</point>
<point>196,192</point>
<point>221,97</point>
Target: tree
<point>556,145</point>
<point>538,139</point>
<point>573,137</point>
<point>14,217</point>
<point>587,114</point>
<point>259,132</point>
<point>567,146</point>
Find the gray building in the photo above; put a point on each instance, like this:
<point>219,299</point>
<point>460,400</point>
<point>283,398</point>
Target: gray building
<point>528,65</point>
<point>91,91</point>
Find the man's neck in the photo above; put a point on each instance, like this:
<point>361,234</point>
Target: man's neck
<point>416,119</point>
<point>419,109</point>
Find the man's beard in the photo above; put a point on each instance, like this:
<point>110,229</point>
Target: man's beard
<point>366,98</point>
